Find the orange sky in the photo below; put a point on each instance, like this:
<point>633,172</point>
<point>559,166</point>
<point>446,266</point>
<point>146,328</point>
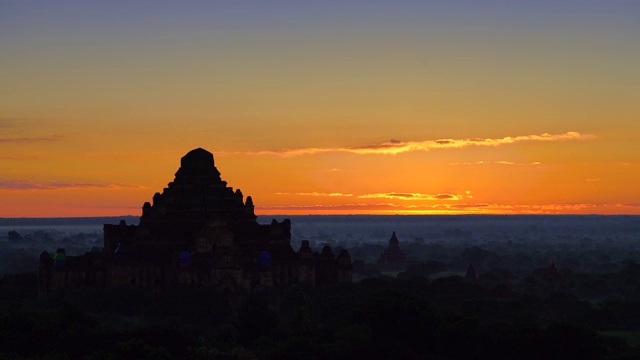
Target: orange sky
<point>375,108</point>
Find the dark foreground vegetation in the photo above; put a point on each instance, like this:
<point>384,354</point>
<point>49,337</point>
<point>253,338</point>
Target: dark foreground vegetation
<point>379,318</point>
<point>515,308</point>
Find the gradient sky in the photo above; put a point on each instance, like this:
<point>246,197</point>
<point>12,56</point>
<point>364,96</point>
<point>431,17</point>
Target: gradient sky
<point>318,107</point>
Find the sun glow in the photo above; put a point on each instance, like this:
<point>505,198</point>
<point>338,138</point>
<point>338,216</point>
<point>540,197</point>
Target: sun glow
<point>427,110</point>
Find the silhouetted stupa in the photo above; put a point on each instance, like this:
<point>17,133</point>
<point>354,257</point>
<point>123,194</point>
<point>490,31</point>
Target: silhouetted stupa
<point>393,258</point>
<point>198,230</point>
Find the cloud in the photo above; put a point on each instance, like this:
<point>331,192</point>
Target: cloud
<point>485,208</point>
<point>541,209</point>
<point>20,123</point>
<point>10,122</point>
<point>115,207</point>
<point>628,164</point>
<point>390,195</point>
<point>32,139</point>
<point>501,162</point>
<point>411,196</point>
<point>322,207</point>
<point>355,207</point>
<point>384,208</point>
<point>12,157</point>
<point>455,208</point>
<point>394,147</point>
<point>632,205</point>
<point>316,194</point>
<point>13,125</point>
<point>32,185</point>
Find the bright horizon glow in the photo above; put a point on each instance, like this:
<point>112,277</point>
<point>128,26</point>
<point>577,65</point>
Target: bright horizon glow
<point>333,107</point>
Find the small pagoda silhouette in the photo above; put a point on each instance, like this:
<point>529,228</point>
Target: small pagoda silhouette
<point>393,258</point>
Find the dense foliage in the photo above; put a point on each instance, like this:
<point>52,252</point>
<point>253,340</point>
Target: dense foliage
<point>414,318</point>
<point>514,309</point>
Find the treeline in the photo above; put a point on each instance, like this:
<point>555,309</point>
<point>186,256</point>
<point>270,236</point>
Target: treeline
<point>413,318</point>
<point>20,252</point>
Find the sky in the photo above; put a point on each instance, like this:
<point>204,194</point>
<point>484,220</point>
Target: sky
<point>323,107</point>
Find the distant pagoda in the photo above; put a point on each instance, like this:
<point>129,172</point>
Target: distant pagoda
<point>393,258</point>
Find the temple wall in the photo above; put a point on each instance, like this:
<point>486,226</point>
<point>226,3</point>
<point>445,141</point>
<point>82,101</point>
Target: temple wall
<point>307,273</point>
<point>345,276</point>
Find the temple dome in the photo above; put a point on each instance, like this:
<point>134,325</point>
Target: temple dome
<point>197,158</point>
<point>198,163</point>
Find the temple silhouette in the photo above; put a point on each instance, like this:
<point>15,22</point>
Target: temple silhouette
<point>393,258</point>
<point>197,231</point>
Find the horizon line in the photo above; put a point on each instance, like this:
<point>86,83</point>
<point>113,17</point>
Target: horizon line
<point>350,214</point>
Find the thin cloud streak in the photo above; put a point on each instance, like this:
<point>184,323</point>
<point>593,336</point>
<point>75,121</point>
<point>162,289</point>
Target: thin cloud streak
<point>316,194</point>
<point>19,158</point>
<point>30,185</point>
<point>32,139</point>
<point>502,162</point>
<point>390,195</point>
<point>395,147</point>
<point>443,208</point>
<point>11,122</point>
<point>412,196</point>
